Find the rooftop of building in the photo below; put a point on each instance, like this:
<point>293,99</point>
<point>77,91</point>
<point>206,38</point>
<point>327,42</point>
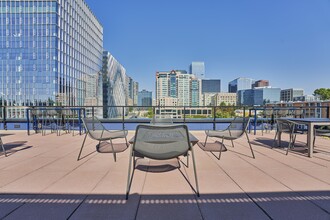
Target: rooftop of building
<point>42,179</point>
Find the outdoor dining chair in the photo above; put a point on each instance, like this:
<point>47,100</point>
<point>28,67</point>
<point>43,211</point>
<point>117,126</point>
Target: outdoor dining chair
<point>287,127</point>
<point>3,148</point>
<point>236,129</point>
<point>97,131</point>
<point>160,143</point>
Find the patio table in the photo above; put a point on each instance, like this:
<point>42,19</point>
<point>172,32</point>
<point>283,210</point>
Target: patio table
<point>311,123</point>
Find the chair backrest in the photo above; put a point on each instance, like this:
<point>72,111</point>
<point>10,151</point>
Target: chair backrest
<point>298,113</point>
<point>268,113</point>
<point>238,126</point>
<point>161,142</point>
<point>93,127</point>
<point>282,113</point>
<point>284,125</point>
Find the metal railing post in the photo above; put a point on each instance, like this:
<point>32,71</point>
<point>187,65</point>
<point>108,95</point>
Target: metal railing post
<point>184,114</point>
<point>214,117</point>
<point>28,121</point>
<point>4,118</point>
<point>123,118</point>
<point>255,121</point>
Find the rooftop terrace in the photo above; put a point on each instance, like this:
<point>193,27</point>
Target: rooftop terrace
<point>42,179</point>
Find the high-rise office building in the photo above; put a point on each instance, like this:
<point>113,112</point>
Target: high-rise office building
<point>145,98</point>
<point>197,69</point>
<point>182,87</point>
<point>240,84</point>
<point>258,96</point>
<point>135,92</point>
<point>48,51</point>
<point>211,85</point>
<point>195,92</point>
<point>114,86</point>
<point>288,95</point>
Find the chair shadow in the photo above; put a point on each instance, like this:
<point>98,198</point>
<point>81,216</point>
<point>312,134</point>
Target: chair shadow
<point>156,166</point>
<point>299,148</point>
<point>10,147</point>
<point>3,135</point>
<point>215,147</point>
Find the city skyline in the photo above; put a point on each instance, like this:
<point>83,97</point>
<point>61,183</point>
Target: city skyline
<point>283,42</point>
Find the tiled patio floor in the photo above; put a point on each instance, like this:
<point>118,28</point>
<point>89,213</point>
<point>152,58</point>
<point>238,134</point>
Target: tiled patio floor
<point>42,179</point>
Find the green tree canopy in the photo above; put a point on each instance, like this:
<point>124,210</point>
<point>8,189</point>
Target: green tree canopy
<point>323,93</point>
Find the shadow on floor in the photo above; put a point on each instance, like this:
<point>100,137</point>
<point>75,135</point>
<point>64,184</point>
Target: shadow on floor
<point>266,205</point>
<point>16,146</point>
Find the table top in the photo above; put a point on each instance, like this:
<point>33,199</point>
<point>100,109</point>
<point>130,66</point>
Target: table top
<point>310,120</point>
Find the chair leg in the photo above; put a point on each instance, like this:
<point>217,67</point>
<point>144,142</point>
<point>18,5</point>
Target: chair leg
<point>81,147</point>
<point>3,148</point>
<point>221,148</point>
<point>113,151</point>
<point>205,141</point>
<point>129,178</point>
<point>195,172</point>
<point>292,139</point>
<point>274,140</point>
<point>232,143</point>
<point>247,136</point>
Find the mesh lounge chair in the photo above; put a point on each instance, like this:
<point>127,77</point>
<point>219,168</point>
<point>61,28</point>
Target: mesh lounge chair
<point>97,131</point>
<point>160,143</point>
<point>3,148</point>
<point>235,130</point>
<point>288,127</point>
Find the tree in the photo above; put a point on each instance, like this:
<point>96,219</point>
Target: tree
<point>225,111</point>
<point>323,93</point>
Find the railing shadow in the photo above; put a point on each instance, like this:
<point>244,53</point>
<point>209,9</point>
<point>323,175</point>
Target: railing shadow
<point>245,205</point>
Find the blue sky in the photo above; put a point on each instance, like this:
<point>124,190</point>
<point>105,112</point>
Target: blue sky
<point>285,41</point>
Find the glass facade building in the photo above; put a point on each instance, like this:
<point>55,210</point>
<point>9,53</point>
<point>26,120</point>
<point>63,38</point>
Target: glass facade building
<point>197,69</point>
<point>195,85</point>
<point>288,95</point>
<point>145,98</point>
<point>49,50</point>
<point>115,91</point>
<point>258,96</point>
<point>240,84</point>
<point>211,85</point>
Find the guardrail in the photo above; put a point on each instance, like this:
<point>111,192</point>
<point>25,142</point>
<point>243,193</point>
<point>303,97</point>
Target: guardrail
<point>180,114</point>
